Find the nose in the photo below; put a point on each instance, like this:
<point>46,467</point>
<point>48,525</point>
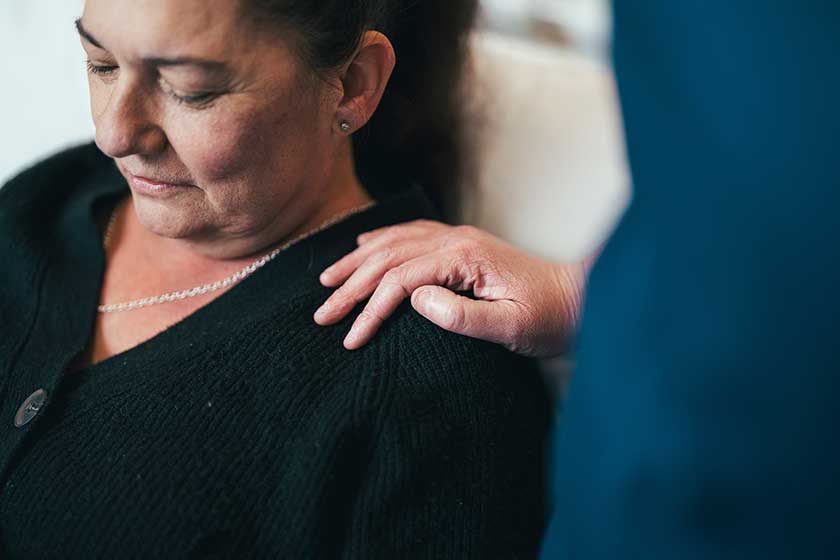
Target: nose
<point>127,125</point>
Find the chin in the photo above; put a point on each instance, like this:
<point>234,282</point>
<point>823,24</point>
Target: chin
<point>165,218</point>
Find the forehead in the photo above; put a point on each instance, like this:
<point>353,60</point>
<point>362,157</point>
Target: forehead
<point>144,28</point>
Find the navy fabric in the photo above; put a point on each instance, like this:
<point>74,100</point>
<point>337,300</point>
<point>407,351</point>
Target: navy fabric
<point>701,421</point>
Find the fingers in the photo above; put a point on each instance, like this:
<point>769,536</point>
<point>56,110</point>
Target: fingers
<point>341,270</point>
<point>391,263</point>
<point>386,299</point>
<point>493,321</point>
<point>376,241</point>
<point>397,285</point>
<point>370,235</point>
<point>400,230</point>
<point>364,281</point>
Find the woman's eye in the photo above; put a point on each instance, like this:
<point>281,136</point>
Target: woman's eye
<point>101,69</point>
<point>198,99</point>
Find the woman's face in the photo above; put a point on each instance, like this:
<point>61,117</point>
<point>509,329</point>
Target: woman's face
<point>216,126</point>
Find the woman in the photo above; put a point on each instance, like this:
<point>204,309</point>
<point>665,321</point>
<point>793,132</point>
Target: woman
<point>200,412</point>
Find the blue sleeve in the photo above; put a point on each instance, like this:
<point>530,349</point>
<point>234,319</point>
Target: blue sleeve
<point>701,421</point>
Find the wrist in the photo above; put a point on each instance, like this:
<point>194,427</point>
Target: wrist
<point>568,288</point>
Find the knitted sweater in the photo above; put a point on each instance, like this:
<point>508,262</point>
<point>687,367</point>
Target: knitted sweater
<point>246,430</point>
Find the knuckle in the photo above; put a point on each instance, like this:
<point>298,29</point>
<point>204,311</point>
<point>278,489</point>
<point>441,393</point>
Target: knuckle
<point>468,248</point>
<point>394,232</point>
<point>451,240</point>
<point>353,292</point>
<point>345,297</point>
<point>338,300</point>
<point>404,234</point>
<point>370,315</point>
<point>462,237</point>
<point>395,276</point>
<point>382,257</point>
<point>427,224</point>
<point>466,230</point>
<point>377,309</point>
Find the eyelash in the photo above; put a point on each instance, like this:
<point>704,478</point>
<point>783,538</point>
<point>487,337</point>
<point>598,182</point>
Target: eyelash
<point>100,70</point>
<point>199,100</point>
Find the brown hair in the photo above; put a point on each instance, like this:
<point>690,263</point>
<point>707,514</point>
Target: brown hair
<point>417,134</point>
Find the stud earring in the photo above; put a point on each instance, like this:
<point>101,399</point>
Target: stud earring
<point>344,126</point>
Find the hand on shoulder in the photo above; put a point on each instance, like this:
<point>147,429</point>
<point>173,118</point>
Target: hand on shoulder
<point>523,303</point>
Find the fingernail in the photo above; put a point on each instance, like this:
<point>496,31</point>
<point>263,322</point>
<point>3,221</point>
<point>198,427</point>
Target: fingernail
<point>355,334</point>
<point>323,311</point>
<point>351,338</point>
<point>421,297</point>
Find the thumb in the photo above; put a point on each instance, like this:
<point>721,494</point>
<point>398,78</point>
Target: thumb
<point>485,320</point>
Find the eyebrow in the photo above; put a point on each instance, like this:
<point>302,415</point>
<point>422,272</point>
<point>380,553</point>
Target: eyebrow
<point>185,61</point>
<point>87,36</point>
<point>156,61</point>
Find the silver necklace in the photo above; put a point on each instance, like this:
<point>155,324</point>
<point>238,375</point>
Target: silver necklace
<point>220,284</point>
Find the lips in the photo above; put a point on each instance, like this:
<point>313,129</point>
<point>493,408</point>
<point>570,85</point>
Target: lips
<point>155,187</point>
<point>152,178</point>
<point>159,182</point>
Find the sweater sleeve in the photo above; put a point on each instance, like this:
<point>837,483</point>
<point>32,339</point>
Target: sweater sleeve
<point>457,467</point>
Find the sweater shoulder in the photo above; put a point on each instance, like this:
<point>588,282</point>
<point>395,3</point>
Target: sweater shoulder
<point>427,368</point>
<point>70,166</point>
<point>411,364</point>
<point>50,199</point>
<point>48,187</point>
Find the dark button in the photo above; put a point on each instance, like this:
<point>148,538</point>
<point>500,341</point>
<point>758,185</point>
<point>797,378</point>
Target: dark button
<point>30,408</point>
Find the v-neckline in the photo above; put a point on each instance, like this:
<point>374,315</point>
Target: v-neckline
<point>302,261</point>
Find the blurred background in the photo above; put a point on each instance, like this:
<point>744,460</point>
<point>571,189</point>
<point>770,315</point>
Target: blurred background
<point>581,25</point>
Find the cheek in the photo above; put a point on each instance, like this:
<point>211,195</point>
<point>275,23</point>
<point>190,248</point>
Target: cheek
<point>250,146</point>
<point>254,153</point>
<point>98,95</point>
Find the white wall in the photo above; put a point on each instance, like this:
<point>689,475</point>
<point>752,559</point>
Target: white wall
<point>44,100</point>
<point>585,25</point>
<point>552,171</point>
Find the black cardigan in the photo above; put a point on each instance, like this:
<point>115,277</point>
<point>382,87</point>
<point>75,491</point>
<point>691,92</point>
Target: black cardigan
<point>246,430</point>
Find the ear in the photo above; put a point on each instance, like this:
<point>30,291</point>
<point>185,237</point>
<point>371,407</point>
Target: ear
<point>364,81</point>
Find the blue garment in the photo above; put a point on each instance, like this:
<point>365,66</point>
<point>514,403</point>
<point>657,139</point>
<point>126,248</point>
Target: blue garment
<point>701,421</point>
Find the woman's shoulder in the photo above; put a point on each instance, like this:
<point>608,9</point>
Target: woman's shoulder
<point>52,202</point>
<point>413,369</point>
<point>59,177</point>
<point>411,362</point>
<point>427,360</point>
